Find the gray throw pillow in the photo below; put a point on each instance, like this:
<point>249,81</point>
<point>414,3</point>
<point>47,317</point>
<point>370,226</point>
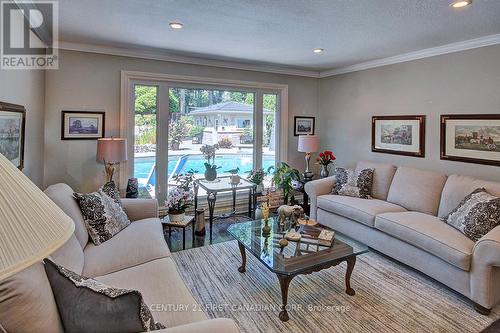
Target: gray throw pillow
<point>110,189</point>
<point>353,183</point>
<point>103,217</point>
<point>476,215</point>
<point>86,305</point>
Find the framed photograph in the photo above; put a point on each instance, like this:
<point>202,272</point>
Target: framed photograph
<point>303,126</point>
<point>12,127</point>
<point>471,138</point>
<point>400,135</point>
<point>82,125</point>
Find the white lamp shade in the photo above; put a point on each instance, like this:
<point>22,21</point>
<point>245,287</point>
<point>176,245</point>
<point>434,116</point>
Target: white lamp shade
<point>308,144</point>
<point>111,150</point>
<point>31,225</point>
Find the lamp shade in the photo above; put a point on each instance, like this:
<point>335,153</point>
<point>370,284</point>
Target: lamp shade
<point>111,150</point>
<point>308,144</point>
<point>31,225</point>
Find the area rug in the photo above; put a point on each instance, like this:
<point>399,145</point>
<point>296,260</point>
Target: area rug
<point>390,297</point>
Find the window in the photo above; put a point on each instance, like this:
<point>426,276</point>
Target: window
<point>167,121</point>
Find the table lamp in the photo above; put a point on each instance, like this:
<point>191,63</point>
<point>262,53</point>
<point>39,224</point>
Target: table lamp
<point>308,144</point>
<point>31,225</point>
<point>111,151</point>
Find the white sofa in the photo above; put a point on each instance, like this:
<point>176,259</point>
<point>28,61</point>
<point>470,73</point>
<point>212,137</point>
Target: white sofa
<point>136,258</point>
<point>402,220</point>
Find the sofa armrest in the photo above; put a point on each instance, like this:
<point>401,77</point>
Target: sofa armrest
<point>138,209</point>
<point>316,188</point>
<point>487,248</point>
<point>219,325</point>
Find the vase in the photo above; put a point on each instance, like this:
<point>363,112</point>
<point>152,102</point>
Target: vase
<point>259,188</point>
<point>258,213</point>
<point>132,188</point>
<point>266,229</point>
<point>324,171</point>
<point>210,173</point>
<point>235,179</point>
<point>177,216</point>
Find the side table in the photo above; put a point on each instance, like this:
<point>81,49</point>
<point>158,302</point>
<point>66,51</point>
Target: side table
<point>188,220</point>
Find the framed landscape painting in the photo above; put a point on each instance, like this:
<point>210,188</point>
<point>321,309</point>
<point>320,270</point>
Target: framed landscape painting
<point>303,126</point>
<point>12,126</point>
<point>82,125</point>
<point>471,138</point>
<point>401,135</point>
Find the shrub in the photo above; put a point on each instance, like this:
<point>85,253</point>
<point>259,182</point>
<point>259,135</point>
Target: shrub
<point>225,143</point>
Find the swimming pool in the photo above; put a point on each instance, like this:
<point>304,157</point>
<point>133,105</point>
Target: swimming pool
<point>143,165</point>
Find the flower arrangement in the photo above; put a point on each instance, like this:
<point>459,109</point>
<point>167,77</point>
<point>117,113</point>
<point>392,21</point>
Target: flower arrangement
<point>257,176</point>
<point>326,158</point>
<point>208,152</point>
<point>181,196</point>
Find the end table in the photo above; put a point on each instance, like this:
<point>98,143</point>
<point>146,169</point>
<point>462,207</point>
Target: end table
<point>188,220</point>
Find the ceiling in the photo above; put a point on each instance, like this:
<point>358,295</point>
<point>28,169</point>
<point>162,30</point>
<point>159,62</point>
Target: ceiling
<point>278,32</point>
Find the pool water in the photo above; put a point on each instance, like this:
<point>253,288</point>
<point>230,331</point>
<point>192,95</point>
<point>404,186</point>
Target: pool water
<point>143,165</point>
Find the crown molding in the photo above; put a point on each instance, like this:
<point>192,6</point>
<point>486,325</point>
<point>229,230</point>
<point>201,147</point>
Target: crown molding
<point>164,56</point>
<point>425,53</point>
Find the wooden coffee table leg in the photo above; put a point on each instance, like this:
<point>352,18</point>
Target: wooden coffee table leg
<point>351,261</point>
<point>242,268</point>
<point>284,284</point>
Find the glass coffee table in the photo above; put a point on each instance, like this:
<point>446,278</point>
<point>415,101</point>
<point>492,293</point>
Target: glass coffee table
<point>303,257</point>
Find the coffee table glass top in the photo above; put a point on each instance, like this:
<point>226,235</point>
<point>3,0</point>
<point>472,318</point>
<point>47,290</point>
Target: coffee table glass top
<point>223,184</point>
<point>296,257</point>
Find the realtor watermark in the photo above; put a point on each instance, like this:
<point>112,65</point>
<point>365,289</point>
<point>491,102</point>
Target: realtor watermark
<point>247,307</point>
<point>29,35</point>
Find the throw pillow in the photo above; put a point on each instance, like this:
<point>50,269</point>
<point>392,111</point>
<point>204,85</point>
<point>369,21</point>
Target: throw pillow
<point>353,183</point>
<point>476,215</point>
<point>110,189</point>
<point>103,217</point>
<point>86,305</point>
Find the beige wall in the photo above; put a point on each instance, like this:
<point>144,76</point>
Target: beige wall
<point>464,82</point>
<point>88,81</point>
<point>26,87</point>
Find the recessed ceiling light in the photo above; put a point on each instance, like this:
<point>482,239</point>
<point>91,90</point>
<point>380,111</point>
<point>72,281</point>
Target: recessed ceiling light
<point>176,25</point>
<point>460,3</point>
<point>318,50</point>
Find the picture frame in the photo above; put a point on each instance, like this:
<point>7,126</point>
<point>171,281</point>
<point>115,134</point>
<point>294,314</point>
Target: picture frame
<point>471,138</point>
<point>303,125</point>
<point>399,135</point>
<point>82,125</point>
<point>12,133</point>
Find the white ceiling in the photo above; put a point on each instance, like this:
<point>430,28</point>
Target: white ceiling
<point>278,32</point>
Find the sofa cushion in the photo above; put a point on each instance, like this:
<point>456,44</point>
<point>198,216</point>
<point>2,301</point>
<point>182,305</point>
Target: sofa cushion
<point>140,242</point>
<point>382,177</point>
<point>27,303</point>
<point>87,305</point>
<point>70,255</point>
<point>62,195</point>
<point>162,288</point>
<point>430,234</point>
<point>357,209</point>
<point>417,190</point>
<point>457,187</point>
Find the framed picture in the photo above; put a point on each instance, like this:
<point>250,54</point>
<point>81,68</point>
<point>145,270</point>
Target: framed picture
<point>12,127</point>
<point>401,135</point>
<point>303,126</point>
<point>82,125</point>
<point>471,138</point>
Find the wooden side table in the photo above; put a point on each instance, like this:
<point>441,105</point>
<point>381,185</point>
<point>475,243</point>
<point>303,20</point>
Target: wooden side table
<point>188,220</point>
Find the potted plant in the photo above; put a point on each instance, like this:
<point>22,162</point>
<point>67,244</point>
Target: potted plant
<point>177,131</point>
<point>208,152</point>
<point>325,159</point>
<point>257,177</point>
<point>283,177</point>
<point>180,197</point>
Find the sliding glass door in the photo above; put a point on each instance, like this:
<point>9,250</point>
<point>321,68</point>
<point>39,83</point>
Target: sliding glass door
<point>173,121</point>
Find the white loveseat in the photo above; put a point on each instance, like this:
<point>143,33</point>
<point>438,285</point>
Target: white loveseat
<point>403,221</point>
<point>136,258</point>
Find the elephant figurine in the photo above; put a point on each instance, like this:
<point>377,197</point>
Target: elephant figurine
<point>293,213</point>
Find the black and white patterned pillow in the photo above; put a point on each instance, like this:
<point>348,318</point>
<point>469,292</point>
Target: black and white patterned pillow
<point>353,183</point>
<point>476,215</point>
<point>103,217</point>
<point>110,189</point>
<point>87,305</point>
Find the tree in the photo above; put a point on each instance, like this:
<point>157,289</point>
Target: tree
<point>145,100</point>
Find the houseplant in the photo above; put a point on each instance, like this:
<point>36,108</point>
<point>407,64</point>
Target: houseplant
<point>180,197</point>
<point>257,177</point>
<point>325,159</point>
<point>283,177</point>
<point>176,133</point>
<point>208,152</point>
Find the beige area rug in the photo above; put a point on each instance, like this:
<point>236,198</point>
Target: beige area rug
<point>390,297</point>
